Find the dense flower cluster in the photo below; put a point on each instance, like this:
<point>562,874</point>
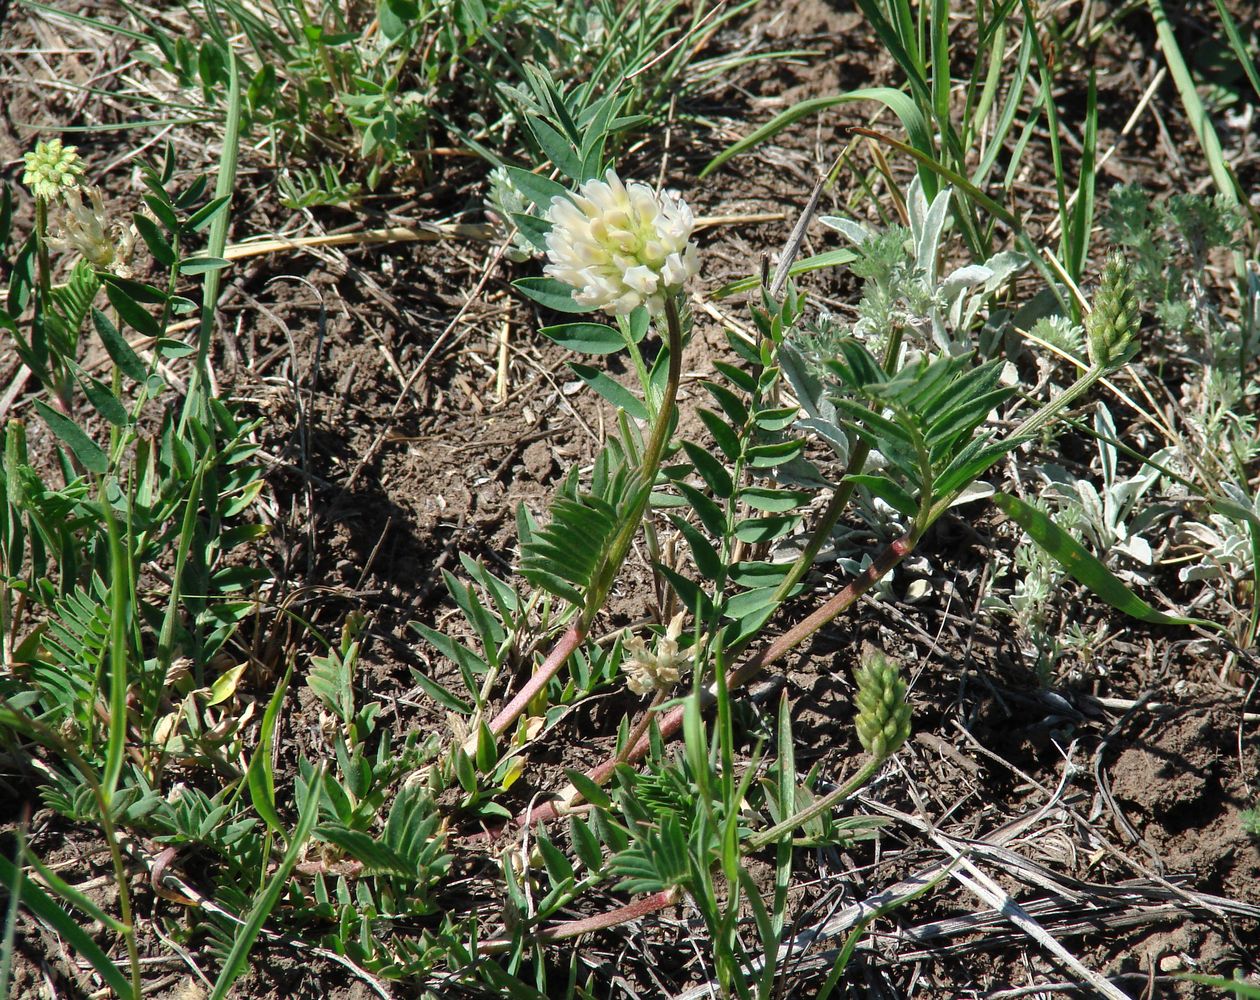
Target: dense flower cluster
<point>1114,322</point>
<point>620,245</point>
<point>658,670</point>
<point>88,231</point>
<point>51,169</point>
<point>883,720</point>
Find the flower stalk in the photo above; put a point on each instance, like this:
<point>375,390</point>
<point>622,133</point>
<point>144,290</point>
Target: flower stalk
<point>620,246</point>
<point>671,723</point>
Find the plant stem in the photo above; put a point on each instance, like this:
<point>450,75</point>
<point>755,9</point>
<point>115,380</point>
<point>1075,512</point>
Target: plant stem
<point>588,925</point>
<point>570,641</point>
<point>641,726</point>
<point>576,632</point>
<point>819,807</point>
<point>887,560</point>
<point>664,414</point>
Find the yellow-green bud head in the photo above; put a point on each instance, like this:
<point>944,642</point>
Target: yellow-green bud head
<point>52,169</point>
<point>1115,319</point>
<point>883,719</point>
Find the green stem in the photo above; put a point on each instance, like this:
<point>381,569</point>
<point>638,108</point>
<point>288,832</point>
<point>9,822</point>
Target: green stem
<point>819,807</point>
<point>573,637</point>
<point>41,244</point>
<point>665,412</point>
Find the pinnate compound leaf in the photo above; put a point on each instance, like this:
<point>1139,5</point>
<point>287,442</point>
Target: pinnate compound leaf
<point>567,555</point>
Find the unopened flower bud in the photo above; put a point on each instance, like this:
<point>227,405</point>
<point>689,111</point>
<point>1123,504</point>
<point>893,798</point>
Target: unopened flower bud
<point>52,169</point>
<point>883,719</point>
<point>1114,321</point>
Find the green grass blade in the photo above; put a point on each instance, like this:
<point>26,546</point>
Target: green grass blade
<point>74,896</point>
<point>912,120</point>
<point>41,905</point>
<point>119,591</point>
<point>224,184</point>
<point>1083,567</point>
<point>1078,236</point>
<point>1233,986</point>
<point>91,22</point>
<point>829,258</point>
<point>1250,64</point>
<point>1053,127</point>
<point>238,957</point>
<point>11,912</point>
<point>259,777</point>
<point>1200,120</point>
<point>941,82</point>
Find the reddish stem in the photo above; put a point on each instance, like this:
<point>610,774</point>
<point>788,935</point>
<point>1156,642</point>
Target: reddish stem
<point>671,723</point>
<point>571,639</point>
<point>588,925</point>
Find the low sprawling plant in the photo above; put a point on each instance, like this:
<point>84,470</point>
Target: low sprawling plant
<point>342,96</point>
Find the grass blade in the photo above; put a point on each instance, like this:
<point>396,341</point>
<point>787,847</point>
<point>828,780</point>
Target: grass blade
<point>223,187</point>
<point>119,592</point>
<point>912,119</point>
<point>1200,120</point>
<point>1076,252</point>
<point>42,906</point>
<point>259,777</point>
<point>1250,64</point>
<point>1083,567</point>
<point>238,957</point>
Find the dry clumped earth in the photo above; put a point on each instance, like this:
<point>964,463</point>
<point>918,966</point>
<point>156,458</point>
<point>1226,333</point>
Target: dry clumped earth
<point>1108,806</point>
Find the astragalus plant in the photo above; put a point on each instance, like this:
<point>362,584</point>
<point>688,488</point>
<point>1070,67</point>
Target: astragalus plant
<point>727,521</point>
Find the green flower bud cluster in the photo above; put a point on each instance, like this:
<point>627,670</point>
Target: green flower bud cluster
<point>52,169</point>
<point>883,720</point>
<point>1113,324</point>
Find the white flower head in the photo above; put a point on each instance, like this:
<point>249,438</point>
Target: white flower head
<point>657,670</point>
<point>621,245</point>
<point>88,231</point>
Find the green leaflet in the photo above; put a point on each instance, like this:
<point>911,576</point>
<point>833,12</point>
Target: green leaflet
<point>1083,567</point>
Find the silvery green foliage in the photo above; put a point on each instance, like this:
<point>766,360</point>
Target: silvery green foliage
<point>1110,518</point>
<point>1034,600</point>
<point>1061,332</point>
<point>820,413</point>
<point>1228,540</point>
<point>941,309</point>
